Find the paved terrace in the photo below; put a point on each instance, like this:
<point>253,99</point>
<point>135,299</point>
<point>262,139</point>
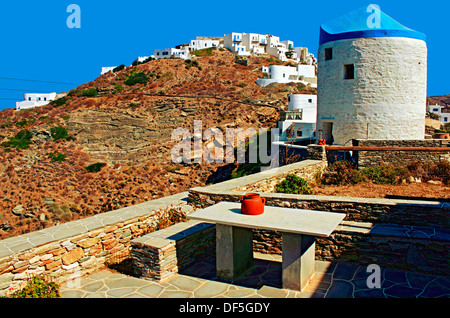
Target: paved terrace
<point>332,280</point>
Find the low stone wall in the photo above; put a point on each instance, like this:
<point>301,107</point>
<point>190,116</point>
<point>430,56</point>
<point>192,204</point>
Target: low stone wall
<point>376,158</point>
<point>408,212</point>
<point>163,253</point>
<point>74,249</point>
<point>308,172</point>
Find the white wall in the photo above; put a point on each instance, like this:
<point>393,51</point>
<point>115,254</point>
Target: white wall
<point>444,118</point>
<point>387,97</point>
<point>306,70</point>
<point>280,72</point>
<point>33,100</point>
<point>305,127</point>
<point>106,69</point>
<point>203,44</point>
<point>231,40</point>
<point>306,102</point>
<point>172,52</point>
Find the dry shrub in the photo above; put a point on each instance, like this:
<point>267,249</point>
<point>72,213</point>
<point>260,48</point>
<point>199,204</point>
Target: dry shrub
<point>439,171</point>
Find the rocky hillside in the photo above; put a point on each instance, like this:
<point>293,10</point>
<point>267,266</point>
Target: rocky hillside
<point>443,100</point>
<point>107,143</point>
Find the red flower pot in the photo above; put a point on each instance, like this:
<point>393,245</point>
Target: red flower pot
<point>252,204</point>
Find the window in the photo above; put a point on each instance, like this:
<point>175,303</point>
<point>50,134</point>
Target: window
<point>310,100</point>
<point>299,133</point>
<point>157,53</point>
<point>349,71</point>
<point>29,98</point>
<point>45,98</point>
<point>436,109</point>
<point>328,54</point>
<point>446,119</point>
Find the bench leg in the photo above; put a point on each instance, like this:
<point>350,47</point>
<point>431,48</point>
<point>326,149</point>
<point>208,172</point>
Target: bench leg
<point>298,260</point>
<point>234,251</point>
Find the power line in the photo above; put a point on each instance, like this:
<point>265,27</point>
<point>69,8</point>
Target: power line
<point>22,90</point>
<point>39,81</point>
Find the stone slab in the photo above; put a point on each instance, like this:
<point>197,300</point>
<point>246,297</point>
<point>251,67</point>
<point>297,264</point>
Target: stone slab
<point>299,221</point>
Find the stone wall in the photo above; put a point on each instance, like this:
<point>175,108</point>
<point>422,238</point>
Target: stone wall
<point>317,152</point>
<point>376,158</point>
<point>409,212</point>
<point>163,253</point>
<point>74,249</point>
<point>307,172</point>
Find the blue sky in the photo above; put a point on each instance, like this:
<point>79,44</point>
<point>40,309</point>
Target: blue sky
<point>38,45</point>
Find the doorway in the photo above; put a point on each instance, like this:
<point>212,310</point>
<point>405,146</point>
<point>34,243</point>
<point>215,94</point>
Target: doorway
<point>327,130</point>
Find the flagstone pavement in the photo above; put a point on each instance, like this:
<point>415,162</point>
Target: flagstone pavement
<point>332,280</point>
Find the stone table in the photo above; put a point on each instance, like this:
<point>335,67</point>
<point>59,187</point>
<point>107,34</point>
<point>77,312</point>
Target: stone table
<point>299,228</point>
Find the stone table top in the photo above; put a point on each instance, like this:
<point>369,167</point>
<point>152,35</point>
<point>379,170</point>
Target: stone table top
<point>287,220</point>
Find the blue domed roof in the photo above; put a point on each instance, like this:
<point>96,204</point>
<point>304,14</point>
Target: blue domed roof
<point>358,24</point>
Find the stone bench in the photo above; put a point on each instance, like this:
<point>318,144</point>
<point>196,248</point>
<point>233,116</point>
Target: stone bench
<point>163,253</point>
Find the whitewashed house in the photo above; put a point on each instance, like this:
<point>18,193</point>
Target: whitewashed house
<point>106,69</point>
<point>254,43</point>
<point>297,126</point>
<point>233,42</point>
<point>276,48</point>
<point>204,42</point>
<point>444,117</point>
<point>182,53</point>
<point>141,59</point>
<point>34,100</point>
<point>299,121</point>
<point>304,56</point>
<point>305,74</point>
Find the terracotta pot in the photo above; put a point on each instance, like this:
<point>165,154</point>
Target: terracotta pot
<point>442,136</point>
<point>252,204</point>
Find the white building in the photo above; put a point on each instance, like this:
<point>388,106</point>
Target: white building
<point>233,42</point>
<point>305,74</point>
<point>141,59</point>
<point>304,56</point>
<point>33,100</point>
<point>298,123</point>
<point>254,43</point>
<point>182,53</point>
<point>106,69</point>
<point>297,128</point>
<point>203,42</point>
<point>372,82</point>
<point>444,117</point>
